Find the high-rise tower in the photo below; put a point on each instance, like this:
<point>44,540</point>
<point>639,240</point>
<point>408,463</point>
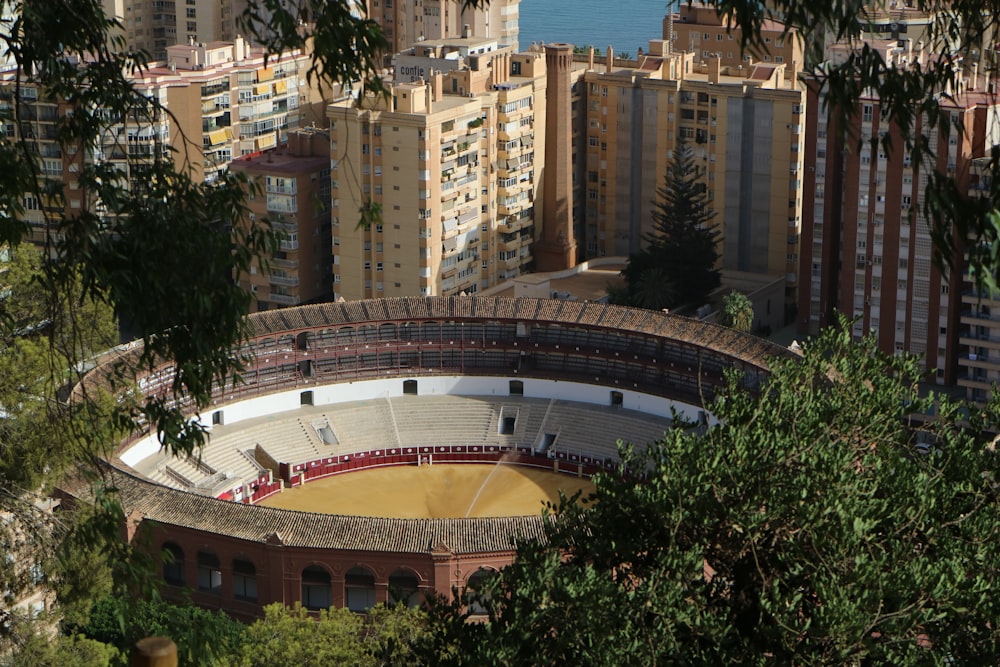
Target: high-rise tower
<point>556,248</point>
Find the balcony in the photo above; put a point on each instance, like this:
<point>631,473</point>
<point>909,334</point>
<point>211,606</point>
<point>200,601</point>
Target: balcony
<point>289,281</point>
<point>282,226</point>
<point>283,299</point>
<point>285,263</point>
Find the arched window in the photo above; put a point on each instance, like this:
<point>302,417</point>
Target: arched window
<point>387,331</point>
<point>473,587</point>
<point>431,331</point>
<point>209,574</point>
<point>173,564</point>
<point>403,586</point>
<point>316,590</point>
<point>244,580</point>
<point>409,331</point>
<point>359,589</point>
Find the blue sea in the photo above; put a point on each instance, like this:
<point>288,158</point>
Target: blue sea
<point>625,25</point>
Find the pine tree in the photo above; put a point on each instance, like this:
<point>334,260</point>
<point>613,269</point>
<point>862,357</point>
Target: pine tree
<point>683,246</point>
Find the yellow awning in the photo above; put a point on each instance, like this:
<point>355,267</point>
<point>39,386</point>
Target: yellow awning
<point>267,141</point>
<point>218,136</point>
<point>280,87</point>
<point>265,74</point>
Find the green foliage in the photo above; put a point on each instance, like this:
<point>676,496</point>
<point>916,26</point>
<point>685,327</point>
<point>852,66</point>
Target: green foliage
<point>737,311</point>
<point>332,637</point>
<point>42,650</point>
<point>202,637</point>
<point>811,526</point>
<point>678,266</point>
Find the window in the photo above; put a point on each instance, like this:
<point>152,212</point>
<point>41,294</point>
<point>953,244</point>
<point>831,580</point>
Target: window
<point>245,580</point>
<point>403,587</point>
<point>209,574</point>
<point>173,564</point>
<point>316,591</point>
<point>474,584</point>
<point>359,589</point>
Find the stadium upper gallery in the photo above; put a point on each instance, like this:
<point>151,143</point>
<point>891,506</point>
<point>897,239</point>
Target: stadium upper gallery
<point>418,437</point>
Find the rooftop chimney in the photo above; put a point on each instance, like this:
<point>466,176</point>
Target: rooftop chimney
<point>610,60</point>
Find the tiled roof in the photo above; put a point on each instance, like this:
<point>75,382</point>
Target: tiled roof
<point>743,347</point>
<point>170,507</point>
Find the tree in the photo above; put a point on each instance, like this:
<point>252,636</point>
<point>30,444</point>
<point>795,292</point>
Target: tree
<point>43,332</point>
<point>202,637</point>
<point>737,311</point>
<point>136,236</point>
<point>338,636</point>
<point>819,523</point>
<point>42,650</point>
<point>679,264</point>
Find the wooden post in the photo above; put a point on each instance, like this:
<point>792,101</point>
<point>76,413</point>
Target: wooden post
<point>154,652</point>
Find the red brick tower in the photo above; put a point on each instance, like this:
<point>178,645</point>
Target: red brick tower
<point>556,248</point>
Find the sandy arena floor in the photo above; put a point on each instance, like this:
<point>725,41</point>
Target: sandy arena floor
<point>437,491</point>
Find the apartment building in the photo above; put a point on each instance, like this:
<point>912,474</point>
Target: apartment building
<point>223,101</point>
<point>979,330</point>
<point>697,28</point>
<point>294,194</point>
<point>867,250</point>
<point>406,23</point>
<point>451,163</point>
<point>155,25</point>
<point>745,126</point>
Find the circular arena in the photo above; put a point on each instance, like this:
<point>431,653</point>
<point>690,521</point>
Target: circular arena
<point>422,383</point>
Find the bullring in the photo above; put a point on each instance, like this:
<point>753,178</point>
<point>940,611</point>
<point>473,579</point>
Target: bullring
<point>525,373</point>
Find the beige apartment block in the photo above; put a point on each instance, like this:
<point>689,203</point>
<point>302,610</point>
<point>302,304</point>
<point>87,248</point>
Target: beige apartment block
<point>294,194</point>
<point>745,126</point>
<point>223,102</point>
<point>697,28</point>
<point>451,169</point>
<point>406,23</point>
<point>154,25</point>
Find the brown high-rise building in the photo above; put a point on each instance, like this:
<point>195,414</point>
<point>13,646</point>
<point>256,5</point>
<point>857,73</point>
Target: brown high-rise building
<point>295,182</point>
<point>697,28</point>
<point>867,250</point>
<point>556,247</point>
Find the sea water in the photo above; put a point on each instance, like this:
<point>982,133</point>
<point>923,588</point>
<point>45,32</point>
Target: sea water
<point>625,25</point>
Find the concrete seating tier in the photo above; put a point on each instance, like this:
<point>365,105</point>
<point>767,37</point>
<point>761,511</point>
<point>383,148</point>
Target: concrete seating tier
<point>291,437</point>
